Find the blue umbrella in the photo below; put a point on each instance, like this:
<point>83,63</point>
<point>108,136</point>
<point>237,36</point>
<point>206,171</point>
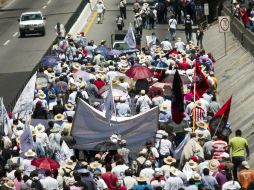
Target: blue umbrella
<point>159,64</point>
<point>49,61</point>
<point>114,52</point>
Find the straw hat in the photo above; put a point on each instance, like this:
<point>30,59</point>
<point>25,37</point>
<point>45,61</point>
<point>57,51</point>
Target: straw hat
<point>30,153</point>
<point>76,66</point>
<point>143,92</point>
<point>192,164</point>
<point>95,164</point>
<point>100,76</point>
<point>202,124</point>
<point>198,104</point>
<point>169,160</point>
<point>34,132</point>
<point>213,165</point>
<point>39,128</point>
<point>114,82</point>
<point>59,117</point>
<point>163,108</point>
<point>141,179</point>
<point>54,129</point>
<point>148,163</point>
<point>173,170</point>
<point>9,184</point>
<point>69,164</point>
<point>69,107</point>
<point>123,69</point>
<point>101,70</point>
<point>41,95</point>
<point>196,176</point>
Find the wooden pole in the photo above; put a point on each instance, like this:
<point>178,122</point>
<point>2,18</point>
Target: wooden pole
<point>194,83</point>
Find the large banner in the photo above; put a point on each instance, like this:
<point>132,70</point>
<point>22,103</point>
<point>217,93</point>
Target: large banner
<point>90,127</point>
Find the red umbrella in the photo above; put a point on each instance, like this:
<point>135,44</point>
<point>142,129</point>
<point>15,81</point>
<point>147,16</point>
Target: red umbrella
<point>170,78</point>
<point>139,72</point>
<point>45,163</point>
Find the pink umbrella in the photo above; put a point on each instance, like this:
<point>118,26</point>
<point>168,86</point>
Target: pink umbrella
<point>139,72</point>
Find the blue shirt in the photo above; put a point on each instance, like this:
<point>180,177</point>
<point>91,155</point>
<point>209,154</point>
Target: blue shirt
<point>142,187</point>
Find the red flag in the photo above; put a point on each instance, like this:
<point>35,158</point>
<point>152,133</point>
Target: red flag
<point>202,84</point>
<point>220,118</point>
<point>177,106</point>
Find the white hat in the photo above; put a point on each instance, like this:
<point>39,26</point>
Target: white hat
<point>59,117</point>
<point>122,99</point>
<point>39,128</point>
<point>246,164</point>
<point>30,153</point>
<point>169,160</point>
<point>148,163</point>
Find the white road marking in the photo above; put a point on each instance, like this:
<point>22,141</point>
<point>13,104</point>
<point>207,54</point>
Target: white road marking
<point>49,2</point>
<point>44,7</point>
<point>15,34</point>
<point>8,41</point>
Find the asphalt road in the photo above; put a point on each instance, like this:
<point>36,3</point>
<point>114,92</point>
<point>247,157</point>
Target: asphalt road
<point>103,31</point>
<point>18,56</point>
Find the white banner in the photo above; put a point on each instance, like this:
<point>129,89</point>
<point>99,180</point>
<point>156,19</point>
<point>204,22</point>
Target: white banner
<point>25,102</point>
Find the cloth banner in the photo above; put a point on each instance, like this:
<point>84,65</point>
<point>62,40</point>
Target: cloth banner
<point>5,120</point>
<point>24,105</point>
<point>90,127</point>
<point>26,139</point>
<point>179,149</point>
<point>64,154</point>
<point>109,103</point>
<point>220,118</point>
<point>130,38</point>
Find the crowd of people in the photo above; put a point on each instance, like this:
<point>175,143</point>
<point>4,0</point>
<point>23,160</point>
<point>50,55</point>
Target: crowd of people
<point>207,160</point>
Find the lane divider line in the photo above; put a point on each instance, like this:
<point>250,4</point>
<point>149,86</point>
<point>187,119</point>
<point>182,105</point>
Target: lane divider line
<point>15,34</point>
<point>44,7</point>
<point>49,2</point>
<point>90,22</point>
<point>8,41</point>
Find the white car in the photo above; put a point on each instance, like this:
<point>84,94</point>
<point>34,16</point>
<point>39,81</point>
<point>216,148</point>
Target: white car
<point>32,23</point>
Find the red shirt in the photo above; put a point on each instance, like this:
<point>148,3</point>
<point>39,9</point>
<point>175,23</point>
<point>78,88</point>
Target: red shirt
<point>99,84</point>
<point>219,147</point>
<point>110,179</point>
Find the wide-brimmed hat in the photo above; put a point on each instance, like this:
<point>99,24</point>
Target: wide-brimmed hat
<point>114,82</point>
<point>163,108</point>
<point>69,107</point>
<point>30,153</point>
<point>59,117</point>
<point>192,164</point>
<point>169,160</point>
<point>9,184</point>
<point>148,163</point>
<point>101,70</point>
<point>202,124</point>
<point>143,92</point>
<point>100,76</point>
<point>76,66</point>
<point>123,69</point>
<point>246,165</point>
<point>69,164</point>
<point>173,170</point>
<point>39,128</point>
<point>213,165</point>
<point>41,95</point>
<point>141,179</point>
<point>196,176</point>
<point>95,164</point>
<point>198,104</point>
<point>55,129</point>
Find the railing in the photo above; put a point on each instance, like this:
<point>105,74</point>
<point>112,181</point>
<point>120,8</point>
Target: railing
<point>245,36</point>
<point>68,25</point>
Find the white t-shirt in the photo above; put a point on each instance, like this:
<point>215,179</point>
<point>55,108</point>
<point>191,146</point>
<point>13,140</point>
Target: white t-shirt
<point>231,185</point>
<point>180,46</point>
<point>148,173</point>
<point>100,8</point>
<point>129,182</point>
<point>119,171</point>
<point>100,183</point>
<point>172,23</point>
<point>163,146</point>
<point>166,45</point>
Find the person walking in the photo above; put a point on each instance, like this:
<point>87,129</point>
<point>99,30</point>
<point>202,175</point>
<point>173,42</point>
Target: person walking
<point>199,36</point>
<point>188,28</point>
<point>172,27</point>
<point>100,11</point>
<point>138,24</point>
<point>119,23</point>
<point>238,146</point>
<point>122,6</point>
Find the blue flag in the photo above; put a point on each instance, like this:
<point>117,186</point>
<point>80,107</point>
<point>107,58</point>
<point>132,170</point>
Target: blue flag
<point>26,139</point>
<point>109,103</point>
<point>130,38</point>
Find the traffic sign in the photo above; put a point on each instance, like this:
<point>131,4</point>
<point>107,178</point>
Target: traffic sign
<point>206,9</point>
<point>224,24</point>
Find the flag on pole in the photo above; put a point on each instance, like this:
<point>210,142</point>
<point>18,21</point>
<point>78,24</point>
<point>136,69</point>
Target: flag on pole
<point>177,106</point>
<point>220,118</point>
<point>202,84</point>
<point>26,138</point>
<point>130,38</point>
<point>109,103</point>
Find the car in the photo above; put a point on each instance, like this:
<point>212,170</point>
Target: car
<point>32,23</point>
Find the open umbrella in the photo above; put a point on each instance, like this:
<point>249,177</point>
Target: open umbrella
<point>170,78</point>
<point>115,92</point>
<point>114,52</point>
<point>49,61</point>
<point>103,49</point>
<point>85,75</point>
<point>114,86</point>
<point>159,64</point>
<point>45,163</point>
<point>106,145</point>
<point>139,72</point>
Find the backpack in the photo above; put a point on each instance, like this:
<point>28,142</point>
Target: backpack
<point>36,185</point>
